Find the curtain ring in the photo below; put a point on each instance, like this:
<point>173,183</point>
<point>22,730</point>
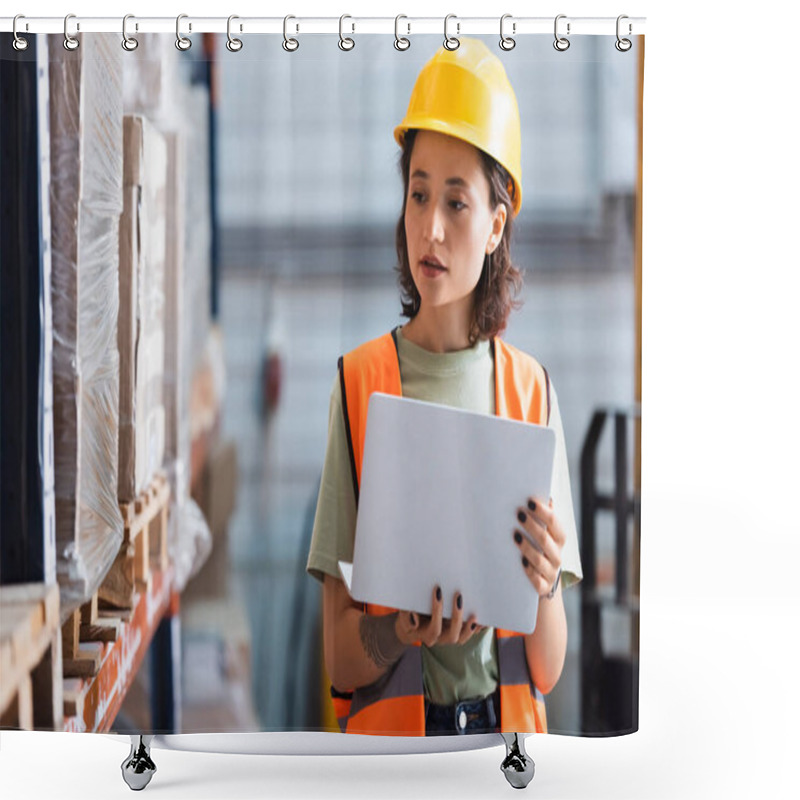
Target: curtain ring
<point>19,42</point>
<point>289,45</point>
<point>182,42</point>
<point>623,45</point>
<point>400,42</point>
<point>561,43</point>
<point>70,42</point>
<point>128,42</point>
<point>507,42</point>
<point>451,42</point>
<point>346,43</point>
<point>233,44</point>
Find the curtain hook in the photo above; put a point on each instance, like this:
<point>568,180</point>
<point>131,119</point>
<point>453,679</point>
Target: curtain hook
<point>401,43</point>
<point>182,42</point>
<point>233,44</point>
<point>19,43</point>
<point>507,42</point>
<point>451,42</point>
<point>128,42</point>
<point>561,43</point>
<point>70,42</point>
<point>289,45</point>
<point>346,43</point>
<point>623,45</point>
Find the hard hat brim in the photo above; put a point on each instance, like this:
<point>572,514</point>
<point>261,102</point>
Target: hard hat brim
<point>463,132</point>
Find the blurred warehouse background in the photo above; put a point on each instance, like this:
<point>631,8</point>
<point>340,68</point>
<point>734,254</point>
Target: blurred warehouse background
<point>309,197</point>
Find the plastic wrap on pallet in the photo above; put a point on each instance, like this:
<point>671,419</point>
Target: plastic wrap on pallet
<point>85,207</point>
<point>46,452</point>
<point>142,320</point>
<point>152,78</point>
<point>190,542</point>
<point>157,87</point>
<point>189,537</point>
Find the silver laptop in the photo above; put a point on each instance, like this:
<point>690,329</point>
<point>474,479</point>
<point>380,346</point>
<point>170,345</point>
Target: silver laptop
<point>440,489</point>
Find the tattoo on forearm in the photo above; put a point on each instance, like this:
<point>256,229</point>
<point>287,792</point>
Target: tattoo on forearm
<point>379,639</point>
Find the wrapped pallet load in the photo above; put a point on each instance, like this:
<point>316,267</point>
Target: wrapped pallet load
<point>190,540</point>
<point>86,202</point>
<point>141,312</point>
<point>153,89</point>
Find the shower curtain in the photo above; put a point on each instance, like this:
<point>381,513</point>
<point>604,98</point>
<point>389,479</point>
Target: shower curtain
<point>192,238</point>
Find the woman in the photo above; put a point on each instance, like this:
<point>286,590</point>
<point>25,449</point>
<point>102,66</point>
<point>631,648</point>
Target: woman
<point>394,671</point>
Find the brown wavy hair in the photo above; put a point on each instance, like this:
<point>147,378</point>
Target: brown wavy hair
<point>500,281</point>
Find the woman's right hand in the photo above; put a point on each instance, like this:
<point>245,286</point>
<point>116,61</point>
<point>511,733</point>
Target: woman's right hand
<point>433,629</point>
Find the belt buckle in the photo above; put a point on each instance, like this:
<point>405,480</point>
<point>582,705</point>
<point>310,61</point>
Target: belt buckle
<point>461,719</point>
<point>466,710</point>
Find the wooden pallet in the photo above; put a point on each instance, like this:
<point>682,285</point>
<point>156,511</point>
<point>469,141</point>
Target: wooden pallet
<point>99,620</point>
<point>83,639</point>
<point>31,690</point>
<point>91,702</point>
<point>145,524</point>
<point>82,636</point>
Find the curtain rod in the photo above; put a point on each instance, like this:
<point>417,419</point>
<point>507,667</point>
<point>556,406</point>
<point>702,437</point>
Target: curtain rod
<point>349,25</point>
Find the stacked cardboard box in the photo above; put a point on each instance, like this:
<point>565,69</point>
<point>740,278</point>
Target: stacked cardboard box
<point>141,311</point>
<point>85,206</point>
<point>153,89</point>
<point>152,79</point>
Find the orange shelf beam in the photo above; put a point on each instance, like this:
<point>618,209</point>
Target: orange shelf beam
<point>100,698</point>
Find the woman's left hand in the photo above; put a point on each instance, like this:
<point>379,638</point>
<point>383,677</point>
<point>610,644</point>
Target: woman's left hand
<point>540,547</point>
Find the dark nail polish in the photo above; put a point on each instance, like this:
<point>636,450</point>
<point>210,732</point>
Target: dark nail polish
<point>459,602</point>
<point>531,505</point>
<point>517,537</point>
<point>525,562</point>
<point>413,620</point>
<point>438,592</point>
<point>521,516</point>
<point>473,626</point>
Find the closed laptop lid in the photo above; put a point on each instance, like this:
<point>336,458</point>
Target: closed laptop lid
<point>439,494</point>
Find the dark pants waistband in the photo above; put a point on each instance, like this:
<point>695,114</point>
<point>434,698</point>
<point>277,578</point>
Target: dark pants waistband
<point>468,716</point>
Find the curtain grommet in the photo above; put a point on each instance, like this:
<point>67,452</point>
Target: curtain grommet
<point>233,44</point>
<point>183,43</point>
<point>70,42</point>
<point>129,43</point>
<point>289,44</point>
<point>561,43</point>
<point>400,42</point>
<point>19,43</point>
<point>507,42</point>
<point>623,45</point>
<point>345,42</point>
<point>451,42</point>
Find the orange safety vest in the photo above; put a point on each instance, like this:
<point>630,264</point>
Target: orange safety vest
<point>395,704</point>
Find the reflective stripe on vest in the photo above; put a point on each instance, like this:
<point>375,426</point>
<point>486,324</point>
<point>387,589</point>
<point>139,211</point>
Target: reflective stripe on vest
<point>395,703</point>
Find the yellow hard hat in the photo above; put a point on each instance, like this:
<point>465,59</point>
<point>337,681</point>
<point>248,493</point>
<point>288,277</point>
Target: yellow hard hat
<point>466,93</point>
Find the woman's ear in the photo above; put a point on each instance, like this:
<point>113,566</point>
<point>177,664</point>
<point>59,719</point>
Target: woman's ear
<point>498,226</point>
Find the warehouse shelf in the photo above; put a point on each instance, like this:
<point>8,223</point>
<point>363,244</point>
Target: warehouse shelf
<point>92,703</point>
<point>30,657</point>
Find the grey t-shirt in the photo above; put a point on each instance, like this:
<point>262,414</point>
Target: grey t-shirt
<point>464,379</point>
